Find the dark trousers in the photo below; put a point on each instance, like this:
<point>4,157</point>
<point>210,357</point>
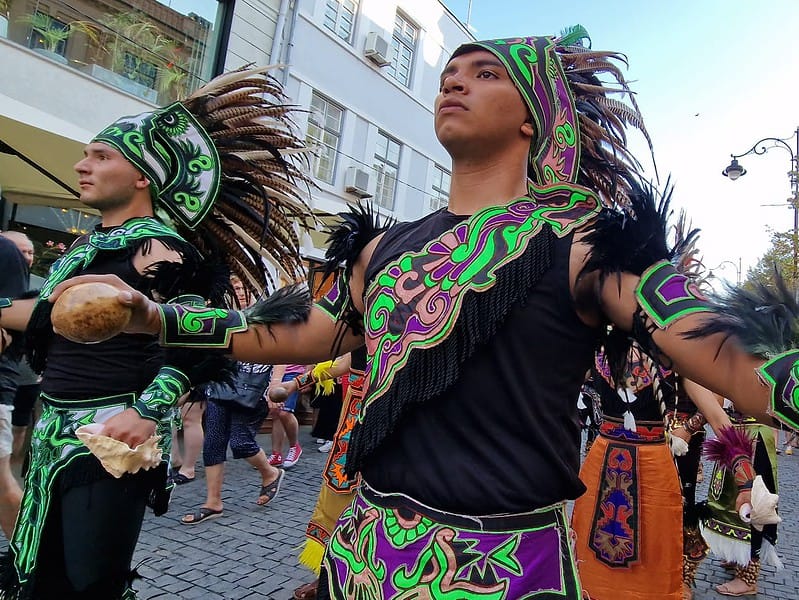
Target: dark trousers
<point>88,540</point>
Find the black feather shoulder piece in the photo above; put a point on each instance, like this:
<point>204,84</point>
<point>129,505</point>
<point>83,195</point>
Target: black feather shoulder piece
<point>356,228</point>
<point>289,304</point>
<point>634,237</point>
<point>765,319</point>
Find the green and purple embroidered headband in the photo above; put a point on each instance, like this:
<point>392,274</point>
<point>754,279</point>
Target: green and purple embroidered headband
<point>176,154</point>
<point>536,70</point>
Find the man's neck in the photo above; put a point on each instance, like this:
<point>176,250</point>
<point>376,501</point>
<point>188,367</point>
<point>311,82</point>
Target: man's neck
<point>139,207</point>
<point>477,186</point>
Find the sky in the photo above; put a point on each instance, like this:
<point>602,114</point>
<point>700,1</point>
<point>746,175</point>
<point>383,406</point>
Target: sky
<point>712,77</point>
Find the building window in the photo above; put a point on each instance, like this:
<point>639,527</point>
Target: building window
<point>403,47</point>
<point>439,198</point>
<point>137,69</point>
<point>47,33</point>
<point>386,166</point>
<point>324,133</point>
<point>340,17</point>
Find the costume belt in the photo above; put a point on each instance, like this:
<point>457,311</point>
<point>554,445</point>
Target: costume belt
<point>542,517</point>
<point>89,403</point>
<point>391,546</point>
<point>647,432</point>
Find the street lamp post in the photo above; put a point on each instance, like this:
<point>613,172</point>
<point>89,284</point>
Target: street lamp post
<point>734,170</point>
<point>736,266</point>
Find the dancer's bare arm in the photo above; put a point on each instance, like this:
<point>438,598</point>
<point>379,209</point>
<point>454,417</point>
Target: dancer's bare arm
<point>314,340</point>
<point>715,362</point>
<point>16,316</point>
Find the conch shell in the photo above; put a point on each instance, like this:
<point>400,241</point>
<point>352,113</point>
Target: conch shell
<point>117,457</point>
<point>764,505</point>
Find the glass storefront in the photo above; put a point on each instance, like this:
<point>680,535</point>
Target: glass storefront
<point>159,50</point>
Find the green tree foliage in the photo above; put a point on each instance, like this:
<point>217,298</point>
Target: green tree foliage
<point>779,254</point>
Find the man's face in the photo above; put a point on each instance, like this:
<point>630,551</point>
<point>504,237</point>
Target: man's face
<point>240,291</point>
<point>477,102</point>
<point>106,178</point>
<point>23,243</point>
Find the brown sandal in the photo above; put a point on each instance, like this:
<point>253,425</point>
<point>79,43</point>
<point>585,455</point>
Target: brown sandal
<point>307,591</point>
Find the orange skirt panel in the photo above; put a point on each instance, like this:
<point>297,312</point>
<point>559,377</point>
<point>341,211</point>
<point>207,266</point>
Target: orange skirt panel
<point>655,570</point>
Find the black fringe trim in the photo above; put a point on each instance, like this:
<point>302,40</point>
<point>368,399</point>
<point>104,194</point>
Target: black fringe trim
<point>289,304</point>
<point>764,319</point>
<point>631,240</point>
<point>346,241</point>
<point>356,229</point>
<point>10,587</point>
<point>431,372</point>
<point>38,335</point>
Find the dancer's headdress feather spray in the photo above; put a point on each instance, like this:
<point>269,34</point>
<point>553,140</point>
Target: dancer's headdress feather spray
<point>228,171</point>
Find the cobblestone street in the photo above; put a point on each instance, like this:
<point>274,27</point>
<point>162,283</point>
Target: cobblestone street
<point>251,551</point>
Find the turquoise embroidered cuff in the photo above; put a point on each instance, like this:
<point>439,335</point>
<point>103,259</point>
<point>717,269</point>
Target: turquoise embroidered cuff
<point>162,394</point>
<point>5,302</point>
<point>781,374</point>
<point>199,327</point>
<point>667,296</point>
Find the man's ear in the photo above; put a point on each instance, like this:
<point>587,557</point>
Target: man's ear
<point>142,183</point>
<point>527,129</point>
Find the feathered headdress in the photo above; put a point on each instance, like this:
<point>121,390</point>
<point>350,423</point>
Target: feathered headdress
<point>579,128</point>
<point>227,170</point>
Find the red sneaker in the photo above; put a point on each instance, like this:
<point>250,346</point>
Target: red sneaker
<point>292,456</point>
<point>276,459</point>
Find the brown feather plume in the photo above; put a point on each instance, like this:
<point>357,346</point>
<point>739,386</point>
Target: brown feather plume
<point>262,202</point>
<point>606,166</point>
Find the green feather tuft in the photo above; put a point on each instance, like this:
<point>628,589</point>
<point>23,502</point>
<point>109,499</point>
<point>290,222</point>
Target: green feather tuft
<point>574,36</point>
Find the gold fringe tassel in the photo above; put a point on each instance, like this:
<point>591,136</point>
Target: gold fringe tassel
<point>311,555</point>
<point>325,384</point>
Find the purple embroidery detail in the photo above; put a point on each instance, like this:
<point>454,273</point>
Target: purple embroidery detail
<point>674,289</point>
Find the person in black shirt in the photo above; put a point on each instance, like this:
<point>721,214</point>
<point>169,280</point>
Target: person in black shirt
<point>491,306</point>
<point>161,188</point>
<point>13,283</point>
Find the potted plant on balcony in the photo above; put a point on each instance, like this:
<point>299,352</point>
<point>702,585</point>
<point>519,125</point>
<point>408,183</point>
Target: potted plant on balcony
<point>173,75</point>
<point>51,33</point>
<point>130,47</point>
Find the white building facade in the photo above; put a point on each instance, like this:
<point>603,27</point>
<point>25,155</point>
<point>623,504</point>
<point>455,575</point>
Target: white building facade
<point>366,71</point>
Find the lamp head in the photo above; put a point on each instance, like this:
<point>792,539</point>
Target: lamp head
<point>734,170</point>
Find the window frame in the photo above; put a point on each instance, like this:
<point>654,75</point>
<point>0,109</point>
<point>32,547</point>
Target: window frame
<point>381,172</point>
<point>340,10</point>
<point>315,94</point>
<point>439,193</point>
<point>399,41</point>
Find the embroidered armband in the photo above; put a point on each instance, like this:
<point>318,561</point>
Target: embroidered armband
<point>305,381</point>
<point>734,449</point>
<point>695,424</point>
<point>162,394</point>
<point>666,296</point>
<point>335,301</point>
<point>199,327</point>
<point>743,472</point>
<point>781,374</point>
<point>4,303</point>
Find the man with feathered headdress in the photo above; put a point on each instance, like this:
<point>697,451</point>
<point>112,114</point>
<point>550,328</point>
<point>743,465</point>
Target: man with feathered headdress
<point>480,321</point>
<point>186,194</point>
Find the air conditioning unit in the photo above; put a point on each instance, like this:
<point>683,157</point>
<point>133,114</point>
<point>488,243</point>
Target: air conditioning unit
<point>356,181</point>
<point>376,49</point>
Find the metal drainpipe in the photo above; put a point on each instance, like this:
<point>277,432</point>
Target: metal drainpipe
<point>278,39</point>
<point>290,40</point>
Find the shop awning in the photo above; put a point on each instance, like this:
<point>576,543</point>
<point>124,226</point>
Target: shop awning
<point>37,153</point>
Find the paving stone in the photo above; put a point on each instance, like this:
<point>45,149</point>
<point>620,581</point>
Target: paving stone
<point>251,551</point>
